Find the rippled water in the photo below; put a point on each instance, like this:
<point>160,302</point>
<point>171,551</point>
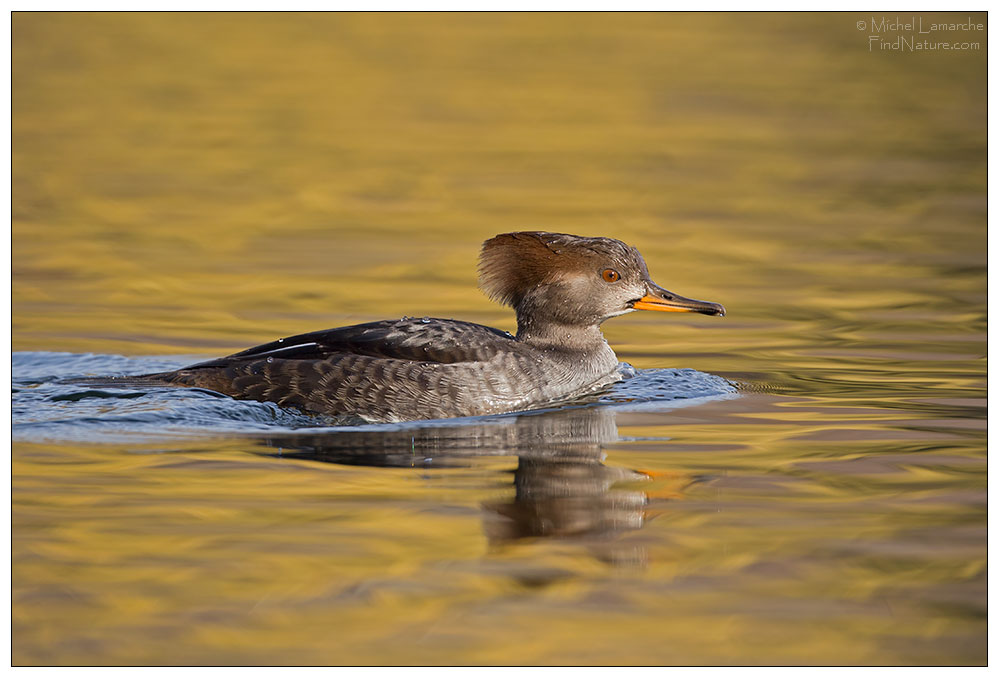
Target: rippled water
<point>802,481</point>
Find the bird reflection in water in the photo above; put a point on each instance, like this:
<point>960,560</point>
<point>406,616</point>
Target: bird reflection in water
<point>563,489</point>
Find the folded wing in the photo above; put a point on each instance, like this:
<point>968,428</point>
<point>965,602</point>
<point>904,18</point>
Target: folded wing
<point>386,365</point>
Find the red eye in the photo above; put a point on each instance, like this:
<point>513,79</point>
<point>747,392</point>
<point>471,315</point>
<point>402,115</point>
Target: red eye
<point>610,275</point>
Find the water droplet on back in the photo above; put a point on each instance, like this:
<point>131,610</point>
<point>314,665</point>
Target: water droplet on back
<point>270,359</point>
<point>424,320</point>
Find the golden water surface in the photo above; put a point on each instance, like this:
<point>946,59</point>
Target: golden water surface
<point>199,183</point>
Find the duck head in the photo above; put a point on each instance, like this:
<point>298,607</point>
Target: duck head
<point>570,280</point>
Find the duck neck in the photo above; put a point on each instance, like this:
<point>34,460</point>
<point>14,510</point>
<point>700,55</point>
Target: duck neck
<point>585,339</point>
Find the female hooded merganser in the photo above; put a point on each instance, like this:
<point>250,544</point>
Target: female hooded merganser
<point>562,288</point>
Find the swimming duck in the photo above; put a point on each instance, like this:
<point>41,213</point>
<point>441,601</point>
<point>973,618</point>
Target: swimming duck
<point>562,288</point>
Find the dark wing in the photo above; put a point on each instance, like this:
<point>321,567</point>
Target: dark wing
<point>381,370</point>
<point>423,340</point>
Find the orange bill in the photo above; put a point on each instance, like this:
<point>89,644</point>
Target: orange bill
<point>667,301</point>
